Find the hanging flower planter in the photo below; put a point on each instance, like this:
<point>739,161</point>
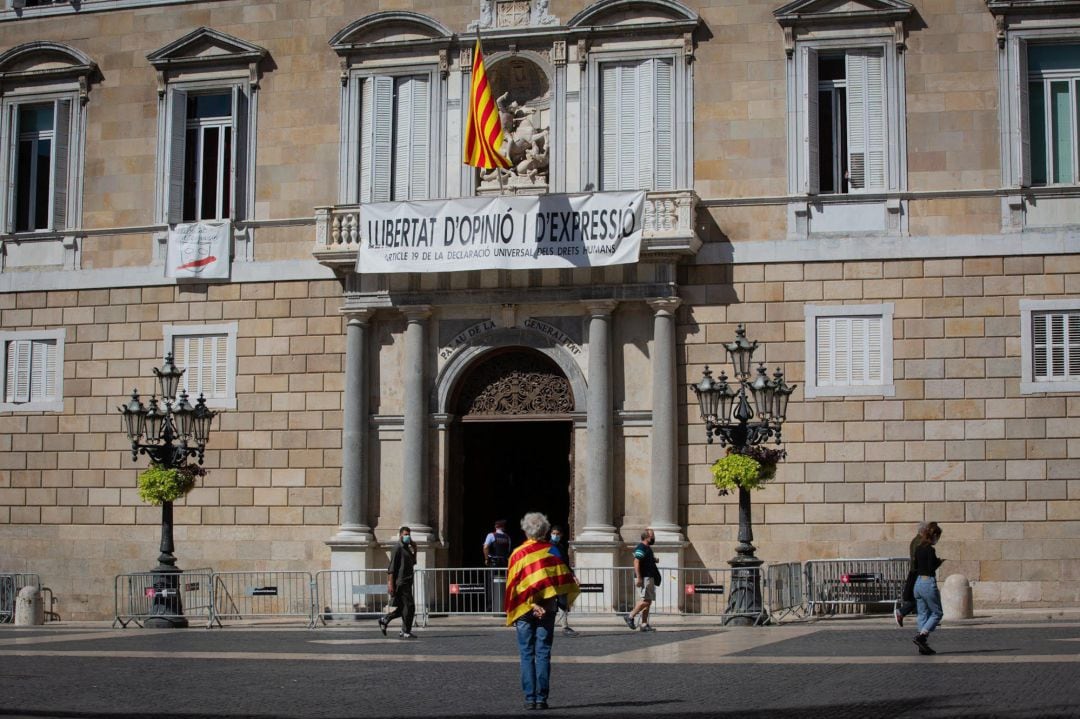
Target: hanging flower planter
<point>748,469</point>
<point>159,484</point>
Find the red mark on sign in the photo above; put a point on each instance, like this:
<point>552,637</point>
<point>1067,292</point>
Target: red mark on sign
<point>197,263</point>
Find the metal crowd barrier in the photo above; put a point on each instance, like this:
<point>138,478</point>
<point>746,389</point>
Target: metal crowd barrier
<point>139,596</point>
<point>833,583</point>
<point>784,589</point>
<point>459,591</point>
<point>10,585</point>
<point>264,595</point>
<point>351,594</point>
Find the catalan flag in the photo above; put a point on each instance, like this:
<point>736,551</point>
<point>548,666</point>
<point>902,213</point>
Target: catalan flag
<point>484,131</point>
<point>537,571</point>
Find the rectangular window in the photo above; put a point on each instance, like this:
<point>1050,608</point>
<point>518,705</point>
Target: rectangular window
<point>205,162</point>
<point>32,371</point>
<point>1055,346</point>
<point>395,138</point>
<point>1054,113</point>
<point>205,359</point>
<point>39,138</point>
<point>850,116</point>
<point>849,350</point>
<point>207,354</point>
<point>208,157</point>
<point>637,121</point>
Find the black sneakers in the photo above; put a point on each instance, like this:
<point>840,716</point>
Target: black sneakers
<point>921,642</point>
<point>629,622</point>
<point>382,625</point>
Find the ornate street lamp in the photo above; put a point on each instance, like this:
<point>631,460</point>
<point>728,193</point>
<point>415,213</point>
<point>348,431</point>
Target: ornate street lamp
<point>168,433</point>
<point>728,416</point>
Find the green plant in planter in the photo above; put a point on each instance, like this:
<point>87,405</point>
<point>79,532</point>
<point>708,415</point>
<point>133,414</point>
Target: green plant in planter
<point>159,484</point>
<point>748,469</point>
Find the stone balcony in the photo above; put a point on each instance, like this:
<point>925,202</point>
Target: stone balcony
<point>670,230</point>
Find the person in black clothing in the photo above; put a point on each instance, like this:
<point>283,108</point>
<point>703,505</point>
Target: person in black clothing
<point>926,589</point>
<point>399,584</point>
<point>906,605</point>
<point>497,546</point>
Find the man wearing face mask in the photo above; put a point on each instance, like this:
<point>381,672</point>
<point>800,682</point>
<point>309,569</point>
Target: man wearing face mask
<point>646,577</point>
<point>561,602</point>
<point>399,584</point>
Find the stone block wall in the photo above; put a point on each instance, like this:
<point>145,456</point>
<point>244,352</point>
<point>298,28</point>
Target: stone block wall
<point>957,444</point>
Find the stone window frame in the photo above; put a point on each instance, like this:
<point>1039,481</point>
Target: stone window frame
<point>885,311</point>
<point>230,330</point>
<point>1015,128</point>
<point>806,27</point>
<point>53,405</point>
<point>1028,384</point>
<point>235,70</point>
<point>68,82</point>
<point>602,43</point>
<point>365,52</point>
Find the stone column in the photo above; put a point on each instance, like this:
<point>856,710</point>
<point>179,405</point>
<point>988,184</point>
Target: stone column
<point>598,488</point>
<point>414,490</point>
<point>351,547</point>
<point>665,483</point>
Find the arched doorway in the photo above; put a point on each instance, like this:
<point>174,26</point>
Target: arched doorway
<point>511,448</point>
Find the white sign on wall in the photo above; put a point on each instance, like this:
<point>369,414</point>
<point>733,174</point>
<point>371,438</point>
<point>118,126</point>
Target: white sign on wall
<point>501,233</point>
<point>198,250</point>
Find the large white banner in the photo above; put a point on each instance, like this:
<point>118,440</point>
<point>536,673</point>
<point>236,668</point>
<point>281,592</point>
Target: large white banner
<point>501,233</point>
<point>198,250</point>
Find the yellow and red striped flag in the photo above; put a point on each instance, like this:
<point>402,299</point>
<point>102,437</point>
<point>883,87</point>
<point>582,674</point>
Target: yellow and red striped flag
<point>537,571</point>
<point>484,132</point>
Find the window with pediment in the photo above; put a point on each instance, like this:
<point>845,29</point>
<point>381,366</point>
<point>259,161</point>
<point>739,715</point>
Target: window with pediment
<point>207,90</point>
<point>637,59</point>
<point>43,91</point>
<point>393,68</point>
<point>1039,56</point>
<point>846,133</point>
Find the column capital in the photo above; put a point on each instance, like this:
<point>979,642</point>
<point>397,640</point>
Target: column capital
<point>664,305</point>
<point>359,316</point>
<point>600,307</point>
<point>415,313</point>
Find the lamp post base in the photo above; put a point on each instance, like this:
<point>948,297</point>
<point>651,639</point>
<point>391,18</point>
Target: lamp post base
<point>744,608</point>
<point>167,610</point>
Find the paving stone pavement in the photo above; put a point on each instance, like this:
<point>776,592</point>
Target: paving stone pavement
<point>847,669</point>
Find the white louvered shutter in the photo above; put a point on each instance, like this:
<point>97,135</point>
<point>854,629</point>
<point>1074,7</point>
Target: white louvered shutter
<point>42,370</point>
<point>412,123</point>
<point>824,350</point>
<point>176,131</point>
<point>18,371</point>
<point>61,149</point>
<point>609,126</point>
<point>640,106</point>
<point>811,183</point>
<point>1056,346</point>
<point>663,152</point>
<point>206,363</point>
<point>1021,133</point>
<point>866,119</point>
<point>849,351</point>
<point>11,144</point>
<point>377,136</point>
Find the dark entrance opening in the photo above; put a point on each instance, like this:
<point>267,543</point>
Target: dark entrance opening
<point>510,449</point>
<point>508,469</point>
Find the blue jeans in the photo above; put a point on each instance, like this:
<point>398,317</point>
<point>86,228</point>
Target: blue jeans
<point>929,601</point>
<point>534,643</point>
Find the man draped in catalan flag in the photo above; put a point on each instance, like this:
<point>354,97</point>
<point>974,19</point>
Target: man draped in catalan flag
<point>537,574</point>
<point>484,131</point>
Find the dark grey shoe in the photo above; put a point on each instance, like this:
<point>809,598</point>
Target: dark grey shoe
<point>629,621</point>
<point>382,625</point>
<point>540,705</point>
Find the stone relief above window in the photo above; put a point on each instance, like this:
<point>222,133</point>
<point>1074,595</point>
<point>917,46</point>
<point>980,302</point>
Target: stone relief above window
<point>513,13</point>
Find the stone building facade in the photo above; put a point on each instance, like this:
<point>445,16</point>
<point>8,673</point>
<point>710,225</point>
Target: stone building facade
<point>885,193</point>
